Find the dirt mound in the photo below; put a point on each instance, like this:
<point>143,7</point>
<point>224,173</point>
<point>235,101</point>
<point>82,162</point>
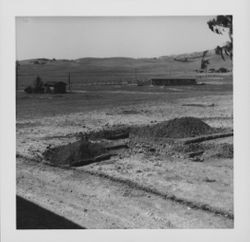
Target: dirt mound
<point>73,154</point>
<point>175,128</point>
<point>111,133</point>
<point>224,151</point>
<point>210,150</point>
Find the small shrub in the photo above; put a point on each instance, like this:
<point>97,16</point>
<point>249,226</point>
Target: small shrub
<point>28,89</point>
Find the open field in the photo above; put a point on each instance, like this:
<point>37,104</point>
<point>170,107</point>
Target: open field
<point>105,96</point>
<point>139,187</point>
<point>96,71</point>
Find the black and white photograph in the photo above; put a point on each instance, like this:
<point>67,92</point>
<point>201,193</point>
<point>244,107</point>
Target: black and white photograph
<point>124,122</point>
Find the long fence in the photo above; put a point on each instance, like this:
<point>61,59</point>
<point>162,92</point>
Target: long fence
<point>26,74</point>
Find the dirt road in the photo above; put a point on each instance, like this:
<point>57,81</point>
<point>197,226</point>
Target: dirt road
<point>95,202</point>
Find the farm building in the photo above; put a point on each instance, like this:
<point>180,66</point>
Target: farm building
<point>55,87</point>
<point>173,81</point>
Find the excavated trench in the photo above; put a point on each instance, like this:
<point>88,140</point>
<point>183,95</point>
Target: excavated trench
<point>176,136</point>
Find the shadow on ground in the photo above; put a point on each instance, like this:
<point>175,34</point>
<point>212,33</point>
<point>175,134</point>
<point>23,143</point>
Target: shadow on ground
<point>32,216</point>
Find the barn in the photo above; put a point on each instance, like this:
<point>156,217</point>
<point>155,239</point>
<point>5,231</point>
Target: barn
<point>173,81</point>
<point>55,87</point>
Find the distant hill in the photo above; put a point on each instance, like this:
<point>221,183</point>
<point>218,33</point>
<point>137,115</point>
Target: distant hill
<point>115,69</point>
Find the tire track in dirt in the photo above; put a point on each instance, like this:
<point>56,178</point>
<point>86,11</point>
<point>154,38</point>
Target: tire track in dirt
<point>134,185</point>
<point>166,196</point>
<point>96,202</point>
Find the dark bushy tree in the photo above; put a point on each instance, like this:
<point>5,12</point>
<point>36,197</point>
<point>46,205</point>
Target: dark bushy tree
<point>204,62</point>
<point>220,24</point>
<point>38,82</point>
<point>38,86</point>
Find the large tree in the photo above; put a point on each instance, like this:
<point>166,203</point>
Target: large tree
<point>221,24</point>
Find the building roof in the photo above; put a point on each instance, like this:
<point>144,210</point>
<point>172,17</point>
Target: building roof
<point>53,83</point>
<point>174,78</point>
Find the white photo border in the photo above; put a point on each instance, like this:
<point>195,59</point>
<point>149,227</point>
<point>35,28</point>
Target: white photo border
<point>10,9</point>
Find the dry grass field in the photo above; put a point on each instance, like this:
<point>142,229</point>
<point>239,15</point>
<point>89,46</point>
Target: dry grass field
<point>87,71</point>
<point>142,185</point>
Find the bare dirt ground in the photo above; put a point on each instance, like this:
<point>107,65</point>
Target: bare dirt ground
<point>135,189</point>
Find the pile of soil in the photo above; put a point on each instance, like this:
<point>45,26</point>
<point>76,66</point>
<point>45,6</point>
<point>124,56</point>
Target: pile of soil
<point>111,133</point>
<point>80,152</point>
<point>180,148</point>
<point>224,151</point>
<point>175,128</point>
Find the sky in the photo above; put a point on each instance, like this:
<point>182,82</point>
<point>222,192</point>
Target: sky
<point>137,37</point>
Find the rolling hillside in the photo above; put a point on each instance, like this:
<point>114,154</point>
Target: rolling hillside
<point>116,69</point>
